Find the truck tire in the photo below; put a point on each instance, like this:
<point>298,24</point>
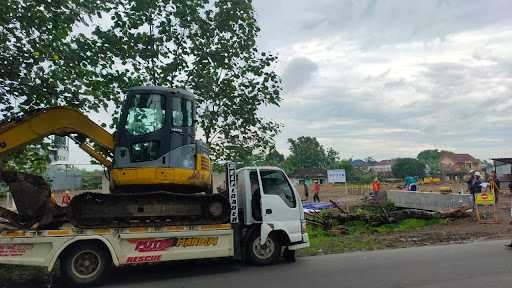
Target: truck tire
<point>264,254</point>
<point>85,265</point>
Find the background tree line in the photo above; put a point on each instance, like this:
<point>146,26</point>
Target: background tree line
<point>428,162</point>
<point>307,152</point>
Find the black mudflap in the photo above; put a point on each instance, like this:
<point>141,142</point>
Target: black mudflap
<point>94,210</point>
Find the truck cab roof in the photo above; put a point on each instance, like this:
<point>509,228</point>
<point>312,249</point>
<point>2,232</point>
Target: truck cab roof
<point>260,167</point>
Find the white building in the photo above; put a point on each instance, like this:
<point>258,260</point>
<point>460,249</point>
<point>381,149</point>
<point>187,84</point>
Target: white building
<point>382,168</point>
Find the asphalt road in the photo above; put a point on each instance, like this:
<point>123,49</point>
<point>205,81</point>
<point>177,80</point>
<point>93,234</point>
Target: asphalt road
<point>479,264</point>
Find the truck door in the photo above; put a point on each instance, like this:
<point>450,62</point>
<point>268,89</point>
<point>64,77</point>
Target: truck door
<point>279,203</point>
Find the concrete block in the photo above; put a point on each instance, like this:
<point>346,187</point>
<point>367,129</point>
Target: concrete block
<point>428,200</point>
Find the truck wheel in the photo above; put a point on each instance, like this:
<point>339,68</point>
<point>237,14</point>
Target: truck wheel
<point>84,265</point>
<point>289,255</point>
<point>264,254</point>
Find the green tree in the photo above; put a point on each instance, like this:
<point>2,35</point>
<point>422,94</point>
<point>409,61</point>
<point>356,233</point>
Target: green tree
<point>33,159</point>
<point>208,47</point>
<point>91,180</point>
<point>408,167</point>
<point>274,158</point>
<point>40,67</point>
<point>432,159</point>
<point>305,152</point>
<point>332,159</point>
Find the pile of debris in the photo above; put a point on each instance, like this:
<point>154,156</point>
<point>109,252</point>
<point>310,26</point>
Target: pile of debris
<point>374,213</point>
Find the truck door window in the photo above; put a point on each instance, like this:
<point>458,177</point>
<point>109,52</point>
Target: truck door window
<point>275,183</point>
<point>146,114</point>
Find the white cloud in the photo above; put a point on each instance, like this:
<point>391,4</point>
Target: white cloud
<point>297,73</point>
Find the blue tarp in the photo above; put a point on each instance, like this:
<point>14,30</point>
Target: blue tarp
<point>317,205</point>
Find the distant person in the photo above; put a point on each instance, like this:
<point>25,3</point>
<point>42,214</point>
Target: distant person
<point>66,199</point>
<point>375,186</point>
<point>410,183</point>
<point>476,185</point>
<point>316,191</point>
<point>470,179</point>
<point>308,181</point>
<point>493,179</point>
<point>306,192</point>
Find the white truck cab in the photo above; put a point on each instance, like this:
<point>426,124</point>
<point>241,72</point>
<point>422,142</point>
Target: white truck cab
<point>270,200</point>
<point>271,208</point>
<point>267,222</point>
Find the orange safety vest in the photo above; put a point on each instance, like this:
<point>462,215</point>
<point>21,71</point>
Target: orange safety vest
<point>66,199</point>
<point>316,188</point>
<point>376,186</point>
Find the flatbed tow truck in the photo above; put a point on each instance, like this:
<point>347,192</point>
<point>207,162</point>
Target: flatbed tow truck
<point>266,222</point>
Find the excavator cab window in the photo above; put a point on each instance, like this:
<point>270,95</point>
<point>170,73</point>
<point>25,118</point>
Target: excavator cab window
<point>146,114</point>
<point>182,113</point>
<point>145,151</point>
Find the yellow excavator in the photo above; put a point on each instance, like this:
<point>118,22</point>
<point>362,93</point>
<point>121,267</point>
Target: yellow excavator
<point>158,171</point>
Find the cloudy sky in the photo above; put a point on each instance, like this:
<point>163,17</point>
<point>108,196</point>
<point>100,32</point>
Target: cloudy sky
<point>391,78</point>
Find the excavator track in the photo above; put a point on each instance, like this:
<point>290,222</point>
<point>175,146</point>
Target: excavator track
<point>96,210</point>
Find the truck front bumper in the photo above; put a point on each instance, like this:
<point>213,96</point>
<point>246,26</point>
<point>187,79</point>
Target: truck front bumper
<point>299,245</point>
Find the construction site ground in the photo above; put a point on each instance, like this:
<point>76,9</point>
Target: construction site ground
<point>445,232</point>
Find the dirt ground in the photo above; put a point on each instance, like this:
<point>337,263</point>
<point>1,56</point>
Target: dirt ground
<point>455,231</point>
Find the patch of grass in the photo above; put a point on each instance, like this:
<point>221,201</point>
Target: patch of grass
<point>360,227</point>
<point>322,242</point>
<point>360,236</point>
<point>408,225</point>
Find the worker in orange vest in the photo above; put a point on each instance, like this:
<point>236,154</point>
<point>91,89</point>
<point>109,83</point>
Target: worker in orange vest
<point>375,186</point>
<point>316,191</point>
<point>66,198</point>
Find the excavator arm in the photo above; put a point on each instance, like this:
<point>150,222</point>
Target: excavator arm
<point>62,121</point>
<point>31,193</point>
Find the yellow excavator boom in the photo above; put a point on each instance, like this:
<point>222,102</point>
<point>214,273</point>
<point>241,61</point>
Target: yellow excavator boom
<point>60,121</point>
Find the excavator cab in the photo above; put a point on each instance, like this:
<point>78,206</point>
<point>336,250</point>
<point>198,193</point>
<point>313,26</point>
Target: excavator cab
<point>155,146</point>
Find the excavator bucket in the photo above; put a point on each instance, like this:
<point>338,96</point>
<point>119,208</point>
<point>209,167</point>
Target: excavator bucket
<point>32,197</point>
